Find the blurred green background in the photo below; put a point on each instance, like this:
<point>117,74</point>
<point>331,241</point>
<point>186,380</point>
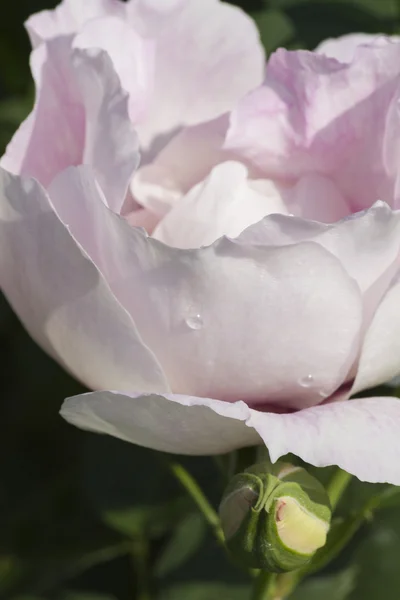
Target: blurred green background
<point>85,516</point>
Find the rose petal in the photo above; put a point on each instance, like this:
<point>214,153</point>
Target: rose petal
<point>62,299</point>
<point>68,17</point>
<point>171,423</point>
<point>380,354</point>
<point>111,144</point>
<point>186,160</point>
<point>361,436</point>
<point>224,204</point>
<point>344,47</point>
<point>290,127</point>
<point>80,116</point>
<point>132,57</point>
<point>52,137</point>
<point>192,307</point>
<point>315,197</point>
<point>208,55</point>
<point>367,244</point>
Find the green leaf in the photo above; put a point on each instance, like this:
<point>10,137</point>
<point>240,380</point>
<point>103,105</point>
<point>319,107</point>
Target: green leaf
<point>332,587</point>
<point>184,542</point>
<point>377,559</point>
<point>206,591</point>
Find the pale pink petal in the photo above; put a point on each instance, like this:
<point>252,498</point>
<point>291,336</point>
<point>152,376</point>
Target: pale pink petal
<point>315,197</point>
<point>68,17</point>
<point>291,126</point>
<point>344,48</point>
<point>224,204</point>
<point>111,144</point>
<point>380,354</point>
<point>367,244</point>
<point>132,57</point>
<point>80,116</point>
<point>193,307</point>
<point>208,54</point>
<point>61,297</point>
<point>171,423</point>
<point>361,436</point>
<point>391,147</point>
<point>186,160</point>
<point>52,137</point>
<point>143,217</point>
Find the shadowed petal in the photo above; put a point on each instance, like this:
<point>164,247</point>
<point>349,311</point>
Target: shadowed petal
<point>361,436</point>
<point>61,297</point>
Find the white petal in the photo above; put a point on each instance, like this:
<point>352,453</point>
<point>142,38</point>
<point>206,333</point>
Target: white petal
<point>61,297</point>
<point>224,204</point>
<point>171,423</point>
<point>193,307</point>
<point>361,436</point>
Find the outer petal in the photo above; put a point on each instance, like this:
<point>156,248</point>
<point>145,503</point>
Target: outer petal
<point>361,436</point>
<point>193,307</point>
<point>171,423</point>
<point>224,204</point>
<point>62,299</point>
<point>380,354</point>
<point>344,48</point>
<point>68,17</point>
<point>52,137</point>
<point>367,245</point>
<point>80,116</point>
<point>208,55</point>
<point>290,126</point>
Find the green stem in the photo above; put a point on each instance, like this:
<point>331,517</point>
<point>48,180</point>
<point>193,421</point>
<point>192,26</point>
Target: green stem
<point>337,486</point>
<point>140,556</point>
<point>264,586</point>
<point>194,491</point>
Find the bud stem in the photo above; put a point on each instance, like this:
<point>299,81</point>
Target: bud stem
<point>264,587</point>
<point>337,486</point>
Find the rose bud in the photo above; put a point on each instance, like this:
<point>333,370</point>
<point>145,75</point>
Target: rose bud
<point>275,517</point>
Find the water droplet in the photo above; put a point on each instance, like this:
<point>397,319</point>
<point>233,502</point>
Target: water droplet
<point>306,381</point>
<point>194,321</point>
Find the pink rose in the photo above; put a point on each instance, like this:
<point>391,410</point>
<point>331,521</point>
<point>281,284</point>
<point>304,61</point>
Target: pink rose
<point>234,322</point>
<point>182,64</point>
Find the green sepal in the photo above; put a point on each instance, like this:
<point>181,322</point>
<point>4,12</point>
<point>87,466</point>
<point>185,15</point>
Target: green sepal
<point>274,517</point>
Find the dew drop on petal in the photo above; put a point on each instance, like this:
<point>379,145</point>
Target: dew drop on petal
<point>306,381</point>
<point>194,321</point>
